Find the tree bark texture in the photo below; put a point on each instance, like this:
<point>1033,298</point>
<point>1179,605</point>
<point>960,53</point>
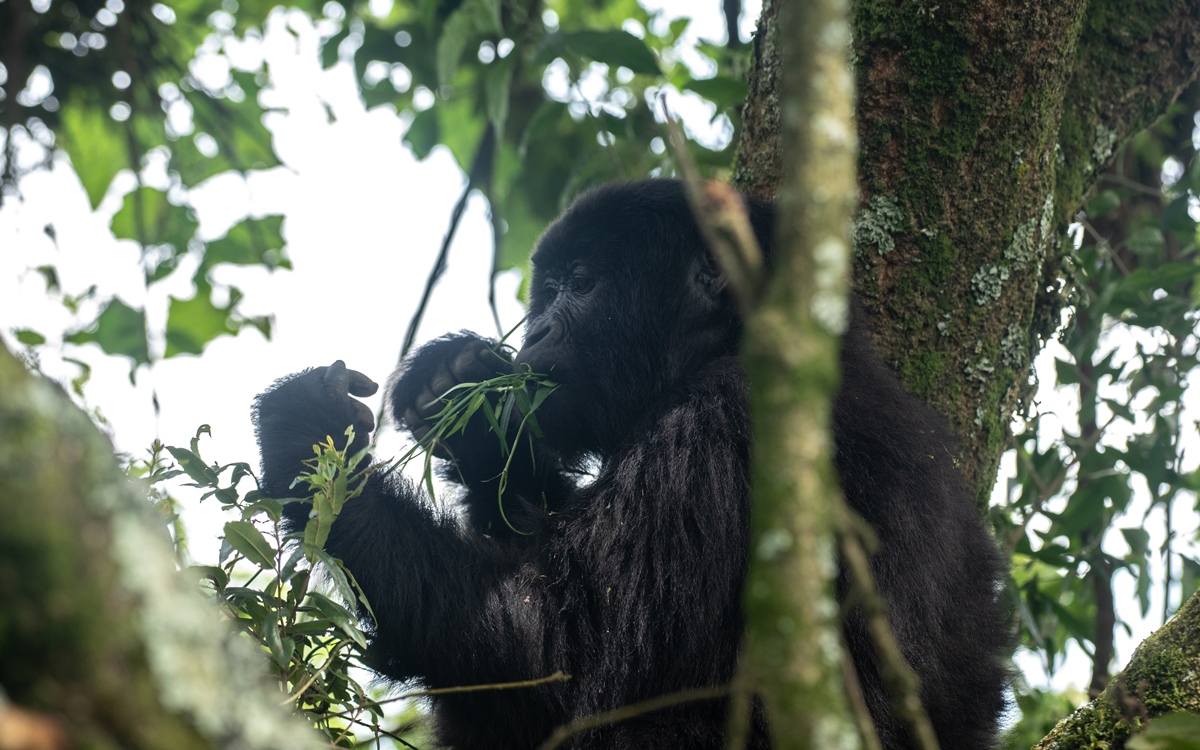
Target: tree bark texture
<point>982,126</point>
<point>98,630</point>
<point>1160,679</point>
<point>791,359</point>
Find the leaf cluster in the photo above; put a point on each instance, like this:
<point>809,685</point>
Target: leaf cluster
<point>308,626</point>
<point>1129,351</point>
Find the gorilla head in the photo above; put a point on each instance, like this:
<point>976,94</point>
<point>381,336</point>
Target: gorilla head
<point>625,301</point>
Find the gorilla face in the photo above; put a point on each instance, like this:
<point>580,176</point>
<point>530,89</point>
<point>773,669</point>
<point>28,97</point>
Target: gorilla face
<point>624,302</point>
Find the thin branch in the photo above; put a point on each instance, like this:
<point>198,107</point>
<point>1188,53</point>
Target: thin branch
<point>737,727</point>
<point>548,679</point>
<point>733,12</point>
<point>858,703</point>
<point>481,169</point>
<point>723,220</point>
<point>898,677</point>
<point>563,733</point>
<point>1131,184</point>
<point>497,238</point>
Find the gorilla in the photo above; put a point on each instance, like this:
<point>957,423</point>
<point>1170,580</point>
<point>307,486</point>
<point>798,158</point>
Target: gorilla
<point>631,581</point>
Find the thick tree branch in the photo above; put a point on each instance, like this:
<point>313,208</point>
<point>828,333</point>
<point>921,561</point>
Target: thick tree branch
<point>1160,679</point>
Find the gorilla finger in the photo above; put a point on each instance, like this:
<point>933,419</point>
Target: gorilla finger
<point>420,433</point>
<point>428,403</point>
<point>360,385</point>
<point>442,381</point>
<point>493,359</point>
<point>364,420</point>
<point>466,367</point>
<point>410,419</point>
<point>336,377</point>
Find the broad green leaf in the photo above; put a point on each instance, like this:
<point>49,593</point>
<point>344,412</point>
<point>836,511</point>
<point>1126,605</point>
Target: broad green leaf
<point>247,539</point>
<point>192,323</point>
<point>1104,203</point>
<point>149,218</point>
<point>338,615</point>
<point>250,242</point>
<point>1147,240</point>
<point>333,568</point>
<point>615,47</point>
<point>119,329</point>
<point>1138,541</point>
<point>193,466</point>
<point>29,337</point>
<point>96,144</point>
<point>281,648</point>
<point>498,85</point>
<point>456,32</point>
<point>218,576</point>
<point>423,133</point>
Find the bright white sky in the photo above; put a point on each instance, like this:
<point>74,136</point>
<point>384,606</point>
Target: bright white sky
<point>364,220</point>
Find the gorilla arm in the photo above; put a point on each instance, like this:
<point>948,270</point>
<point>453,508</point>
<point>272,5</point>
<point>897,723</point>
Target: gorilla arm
<point>608,591</point>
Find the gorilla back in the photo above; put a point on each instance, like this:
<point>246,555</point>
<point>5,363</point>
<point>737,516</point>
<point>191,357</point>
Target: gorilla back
<point>631,582</point>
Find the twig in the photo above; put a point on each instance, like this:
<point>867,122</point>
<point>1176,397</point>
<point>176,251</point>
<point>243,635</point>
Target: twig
<point>1131,184</point>
<point>858,703</point>
<point>497,238</point>
<point>737,728</point>
<point>721,214</point>
<point>733,12</point>
<point>563,733</point>
<point>481,168</point>
<point>556,677</point>
<point>898,677</point>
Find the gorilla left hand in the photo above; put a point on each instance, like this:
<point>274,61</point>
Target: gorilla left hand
<point>303,409</point>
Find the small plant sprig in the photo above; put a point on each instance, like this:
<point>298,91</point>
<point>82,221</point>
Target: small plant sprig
<point>496,399</point>
<point>310,635</point>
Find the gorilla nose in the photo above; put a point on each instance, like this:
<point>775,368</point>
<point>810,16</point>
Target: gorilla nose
<point>534,335</point>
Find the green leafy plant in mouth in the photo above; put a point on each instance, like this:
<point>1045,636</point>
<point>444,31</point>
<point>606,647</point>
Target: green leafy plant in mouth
<point>523,391</point>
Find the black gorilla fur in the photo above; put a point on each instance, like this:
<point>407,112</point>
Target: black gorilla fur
<point>632,583</point>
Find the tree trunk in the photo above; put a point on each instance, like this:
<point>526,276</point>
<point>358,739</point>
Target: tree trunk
<point>982,126</point>
<point>99,632</point>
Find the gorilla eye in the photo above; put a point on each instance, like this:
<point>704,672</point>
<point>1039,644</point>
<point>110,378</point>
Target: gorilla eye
<point>582,284</point>
<point>550,288</point>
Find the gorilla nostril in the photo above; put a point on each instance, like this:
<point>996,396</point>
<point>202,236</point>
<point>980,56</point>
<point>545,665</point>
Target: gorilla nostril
<point>534,336</point>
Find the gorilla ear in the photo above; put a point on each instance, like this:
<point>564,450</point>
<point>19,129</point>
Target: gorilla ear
<point>710,280</point>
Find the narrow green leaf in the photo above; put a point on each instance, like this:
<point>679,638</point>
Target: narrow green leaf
<point>246,539</point>
<point>29,337</point>
<point>196,469</point>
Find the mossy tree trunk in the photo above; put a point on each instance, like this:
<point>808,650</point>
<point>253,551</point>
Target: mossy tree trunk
<point>100,634</point>
<point>790,352</point>
<point>982,127</point>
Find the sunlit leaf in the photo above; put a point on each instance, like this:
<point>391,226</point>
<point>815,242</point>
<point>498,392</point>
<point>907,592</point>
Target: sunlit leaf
<point>245,537</point>
<point>192,323</point>
<point>119,329</point>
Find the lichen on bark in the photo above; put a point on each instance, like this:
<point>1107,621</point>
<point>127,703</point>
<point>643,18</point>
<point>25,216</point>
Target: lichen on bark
<point>97,627</point>
<point>1160,679</point>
